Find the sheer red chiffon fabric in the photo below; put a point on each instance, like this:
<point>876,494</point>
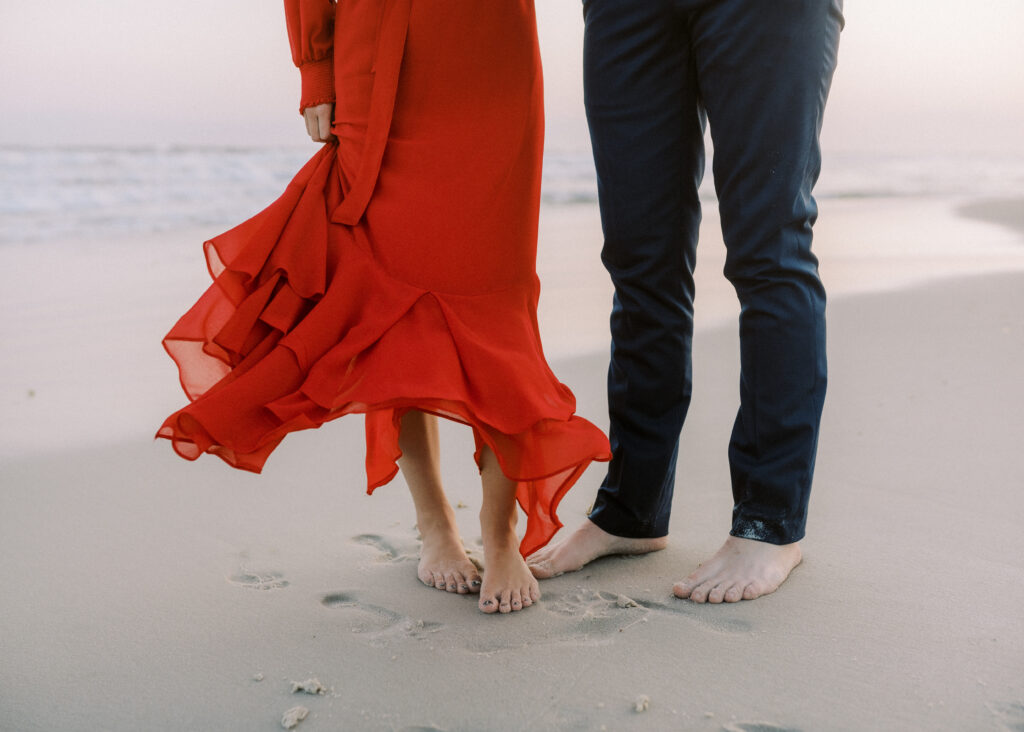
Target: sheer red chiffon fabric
<point>396,271</point>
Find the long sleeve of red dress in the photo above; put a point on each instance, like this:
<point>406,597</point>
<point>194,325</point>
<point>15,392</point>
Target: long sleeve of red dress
<point>311,36</point>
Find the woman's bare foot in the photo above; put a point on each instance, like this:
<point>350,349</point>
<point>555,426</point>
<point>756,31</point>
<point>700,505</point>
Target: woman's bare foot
<point>443,561</point>
<point>587,543</point>
<point>743,569</point>
<point>508,585</point>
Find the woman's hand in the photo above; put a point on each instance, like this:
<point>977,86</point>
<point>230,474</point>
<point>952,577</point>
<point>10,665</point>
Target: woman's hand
<point>318,122</point>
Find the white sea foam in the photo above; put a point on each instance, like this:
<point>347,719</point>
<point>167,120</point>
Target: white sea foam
<point>75,193</point>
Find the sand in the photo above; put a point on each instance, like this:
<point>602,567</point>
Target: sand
<point>140,591</point>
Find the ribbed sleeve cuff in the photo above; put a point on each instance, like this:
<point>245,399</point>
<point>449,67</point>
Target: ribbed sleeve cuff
<point>317,83</point>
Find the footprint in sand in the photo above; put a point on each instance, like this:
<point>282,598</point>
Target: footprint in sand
<point>595,610</point>
<point>714,617</point>
<point>1009,716</point>
<point>379,623</point>
<point>258,580</point>
<point>392,549</point>
<point>601,609</point>
<point>592,617</point>
<point>407,549</point>
<point>756,727</point>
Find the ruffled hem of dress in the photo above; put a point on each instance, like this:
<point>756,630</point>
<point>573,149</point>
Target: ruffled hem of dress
<point>296,331</point>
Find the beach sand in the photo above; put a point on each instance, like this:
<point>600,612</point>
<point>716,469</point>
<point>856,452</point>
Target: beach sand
<point>140,591</point>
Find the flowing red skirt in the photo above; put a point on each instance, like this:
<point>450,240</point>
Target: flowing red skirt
<point>421,297</point>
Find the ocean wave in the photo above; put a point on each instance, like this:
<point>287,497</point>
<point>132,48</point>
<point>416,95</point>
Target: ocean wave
<point>91,192</point>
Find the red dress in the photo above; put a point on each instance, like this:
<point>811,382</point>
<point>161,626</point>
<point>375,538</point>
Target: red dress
<point>397,270</point>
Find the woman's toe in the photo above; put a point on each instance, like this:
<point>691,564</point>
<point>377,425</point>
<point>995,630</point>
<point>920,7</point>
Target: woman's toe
<point>488,604</point>
<point>505,601</point>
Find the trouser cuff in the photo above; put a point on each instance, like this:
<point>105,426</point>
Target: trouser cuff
<point>606,518</point>
<point>773,531</point>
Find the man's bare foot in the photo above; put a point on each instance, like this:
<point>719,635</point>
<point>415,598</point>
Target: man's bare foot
<point>743,569</point>
<point>583,546</point>
<point>444,564</point>
<point>508,584</point>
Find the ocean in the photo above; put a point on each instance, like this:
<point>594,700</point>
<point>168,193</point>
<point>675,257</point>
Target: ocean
<point>76,193</point>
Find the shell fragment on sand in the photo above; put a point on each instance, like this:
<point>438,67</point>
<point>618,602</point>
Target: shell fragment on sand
<point>623,602</point>
<point>309,686</point>
<point>293,716</point>
<point>642,703</point>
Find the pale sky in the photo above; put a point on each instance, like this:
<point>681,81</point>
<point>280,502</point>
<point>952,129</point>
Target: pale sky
<point>920,75</point>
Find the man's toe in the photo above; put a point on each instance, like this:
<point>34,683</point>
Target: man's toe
<point>700,592</point>
<point>717,594</point>
<point>734,594</point>
<point>754,590</point>
<point>682,589</point>
<point>540,569</point>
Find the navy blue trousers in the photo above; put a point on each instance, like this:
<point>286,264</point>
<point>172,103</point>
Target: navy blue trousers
<point>758,73</point>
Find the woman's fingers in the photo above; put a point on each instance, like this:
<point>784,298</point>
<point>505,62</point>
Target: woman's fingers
<point>318,122</point>
<point>324,114</point>
<point>309,118</point>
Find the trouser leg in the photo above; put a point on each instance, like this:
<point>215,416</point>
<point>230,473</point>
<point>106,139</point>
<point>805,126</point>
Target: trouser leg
<point>646,126</point>
<point>764,69</point>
